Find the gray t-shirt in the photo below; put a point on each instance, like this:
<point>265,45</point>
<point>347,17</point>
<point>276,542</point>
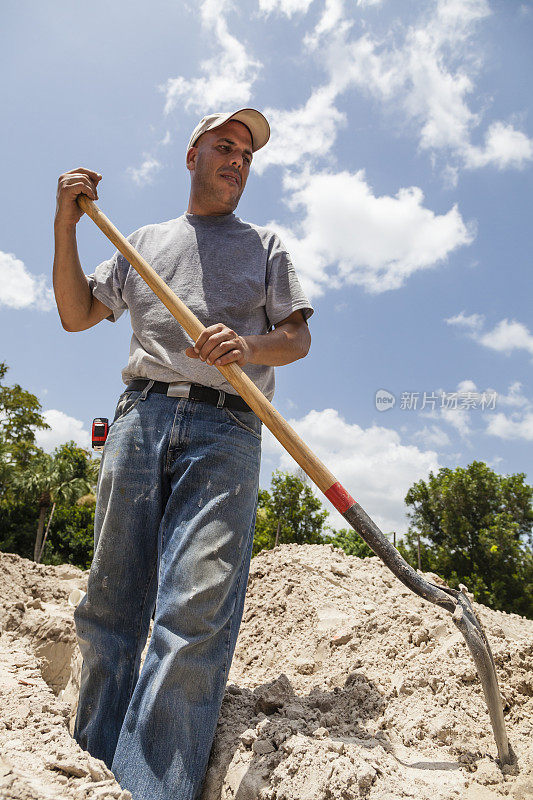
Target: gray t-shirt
<point>225,270</point>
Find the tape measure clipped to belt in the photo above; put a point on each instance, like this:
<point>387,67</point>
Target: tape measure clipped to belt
<point>100,429</point>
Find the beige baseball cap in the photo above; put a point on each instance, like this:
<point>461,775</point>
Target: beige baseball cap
<point>254,121</point>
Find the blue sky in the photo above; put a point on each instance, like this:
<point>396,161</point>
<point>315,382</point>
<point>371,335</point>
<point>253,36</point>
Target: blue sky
<point>398,175</point>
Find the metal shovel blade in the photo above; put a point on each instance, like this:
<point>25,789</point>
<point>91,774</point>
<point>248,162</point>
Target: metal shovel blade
<point>452,600</point>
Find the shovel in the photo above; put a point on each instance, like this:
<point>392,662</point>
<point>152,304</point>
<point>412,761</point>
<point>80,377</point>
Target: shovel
<point>454,601</point>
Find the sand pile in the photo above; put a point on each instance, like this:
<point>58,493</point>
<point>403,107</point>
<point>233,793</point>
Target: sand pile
<point>344,685</point>
<point>38,758</point>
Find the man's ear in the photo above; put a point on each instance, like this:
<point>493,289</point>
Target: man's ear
<point>192,152</point>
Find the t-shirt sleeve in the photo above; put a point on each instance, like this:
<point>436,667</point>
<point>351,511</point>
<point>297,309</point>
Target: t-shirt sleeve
<point>107,282</point>
<point>284,293</point>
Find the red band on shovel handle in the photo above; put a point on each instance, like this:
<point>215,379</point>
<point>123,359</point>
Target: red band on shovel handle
<point>340,498</point>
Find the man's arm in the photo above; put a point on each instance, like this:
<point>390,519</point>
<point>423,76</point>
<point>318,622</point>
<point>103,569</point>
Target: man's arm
<point>78,309</point>
<point>289,341</point>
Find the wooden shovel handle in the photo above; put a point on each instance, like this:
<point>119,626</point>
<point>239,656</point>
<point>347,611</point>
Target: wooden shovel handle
<point>247,389</point>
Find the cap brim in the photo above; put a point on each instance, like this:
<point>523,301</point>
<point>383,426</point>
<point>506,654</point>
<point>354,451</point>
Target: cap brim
<point>256,123</point>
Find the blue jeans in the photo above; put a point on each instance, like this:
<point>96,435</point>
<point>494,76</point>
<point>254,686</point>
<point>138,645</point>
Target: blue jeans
<point>175,515</point>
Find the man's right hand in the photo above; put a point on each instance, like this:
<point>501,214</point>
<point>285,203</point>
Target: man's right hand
<point>70,185</point>
<point>77,307</point>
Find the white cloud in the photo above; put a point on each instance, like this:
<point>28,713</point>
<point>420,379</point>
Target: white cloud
<point>519,423</point>
<point>427,71</point>
<point>467,403</point>
<point>308,131</point>
<point>473,322</point>
<point>62,429</point>
<point>466,386</point>
<point>331,18</point>
<point>350,235</point>
<point>19,288</point>
<point>331,14</point>
<point>373,465</point>
<point>227,78</point>
<point>450,177</point>
<point>515,426</point>
<point>452,408</point>
<point>432,436</point>
<point>515,398</point>
<point>287,7</point>
<point>506,336</point>
<point>458,418</point>
<point>417,74</point>
<point>145,173</point>
<point>504,147</point>
<point>461,406</point>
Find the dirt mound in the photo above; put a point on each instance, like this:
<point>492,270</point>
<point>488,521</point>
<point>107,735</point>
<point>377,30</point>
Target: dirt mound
<point>344,685</point>
<point>39,760</point>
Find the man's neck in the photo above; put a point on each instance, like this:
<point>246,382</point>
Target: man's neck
<point>205,210</point>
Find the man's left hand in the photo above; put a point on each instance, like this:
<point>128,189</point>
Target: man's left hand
<point>219,345</point>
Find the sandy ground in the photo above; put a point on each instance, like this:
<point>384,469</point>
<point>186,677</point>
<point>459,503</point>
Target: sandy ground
<point>344,685</point>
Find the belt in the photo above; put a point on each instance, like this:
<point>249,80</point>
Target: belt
<point>204,394</point>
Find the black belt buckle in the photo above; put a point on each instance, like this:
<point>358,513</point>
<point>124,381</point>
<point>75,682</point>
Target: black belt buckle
<point>205,394</point>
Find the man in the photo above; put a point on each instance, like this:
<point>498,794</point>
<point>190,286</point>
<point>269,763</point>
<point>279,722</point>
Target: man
<point>177,489</point>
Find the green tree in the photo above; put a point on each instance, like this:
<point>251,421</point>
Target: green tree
<point>71,535</point>
<point>38,490</point>
<point>20,417</point>
<point>289,512</point>
<point>70,538</point>
<point>476,528</point>
<point>49,480</point>
<point>349,540</point>
<point>18,521</point>
<point>7,470</point>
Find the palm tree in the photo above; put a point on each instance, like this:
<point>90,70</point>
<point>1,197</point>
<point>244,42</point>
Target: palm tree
<point>48,480</point>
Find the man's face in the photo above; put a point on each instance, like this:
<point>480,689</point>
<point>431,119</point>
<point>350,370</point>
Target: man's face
<point>219,164</point>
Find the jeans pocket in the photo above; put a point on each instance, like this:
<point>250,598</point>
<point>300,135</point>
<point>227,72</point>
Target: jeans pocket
<point>247,420</point>
<point>126,402</point>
